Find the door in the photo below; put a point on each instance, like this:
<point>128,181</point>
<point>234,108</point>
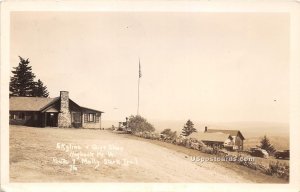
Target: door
<point>76,119</point>
<point>51,119</point>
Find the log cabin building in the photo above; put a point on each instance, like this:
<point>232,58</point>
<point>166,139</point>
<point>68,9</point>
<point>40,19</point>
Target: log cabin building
<point>52,112</point>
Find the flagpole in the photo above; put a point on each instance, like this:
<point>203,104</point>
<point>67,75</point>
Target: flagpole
<point>138,106</point>
<point>140,75</point>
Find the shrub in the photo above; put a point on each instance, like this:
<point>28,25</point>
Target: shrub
<point>207,149</point>
<point>180,140</point>
<point>167,134</point>
<point>155,136</point>
<point>278,169</point>
<point>139,124</point>
<point>147,135</point>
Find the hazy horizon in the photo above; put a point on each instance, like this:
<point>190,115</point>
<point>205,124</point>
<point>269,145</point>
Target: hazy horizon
<point>211,67</point>
<point>249,129</point>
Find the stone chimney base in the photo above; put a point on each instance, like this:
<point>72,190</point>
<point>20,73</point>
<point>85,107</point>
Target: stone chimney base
<point>64,117</point>
<point>64,120</point>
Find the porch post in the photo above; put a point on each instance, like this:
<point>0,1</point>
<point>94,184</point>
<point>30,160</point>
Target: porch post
<point>100,121</point>
<point>45,122</point>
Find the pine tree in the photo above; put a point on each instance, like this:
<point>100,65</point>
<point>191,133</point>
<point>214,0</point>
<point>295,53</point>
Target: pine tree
<point>188,128</point>
<point>266,145</point>
<point>22,82</point>
<point>40,90</point>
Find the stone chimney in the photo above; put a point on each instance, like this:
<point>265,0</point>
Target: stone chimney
<point>205,130</point>
<point>64,101</point>
<point>64,116</point>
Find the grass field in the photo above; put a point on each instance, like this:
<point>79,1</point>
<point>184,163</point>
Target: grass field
<point>36,157</point>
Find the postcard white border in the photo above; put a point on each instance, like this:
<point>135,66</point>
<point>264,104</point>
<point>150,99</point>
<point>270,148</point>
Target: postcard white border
<point>291,7</point>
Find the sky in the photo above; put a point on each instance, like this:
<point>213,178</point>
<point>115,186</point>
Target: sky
<point>217,67</point>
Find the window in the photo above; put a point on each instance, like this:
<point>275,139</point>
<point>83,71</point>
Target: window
<point>76,117</point>
<point>91,117</point>
<point>85,118</point>
<point>21,116</point>
<point>17,116</point>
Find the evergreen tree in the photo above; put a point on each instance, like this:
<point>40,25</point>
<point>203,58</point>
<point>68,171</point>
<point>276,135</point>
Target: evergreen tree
<point>22,82</point>
<point>266,145</point>
<point>40,90</point>
<point>188,128</point>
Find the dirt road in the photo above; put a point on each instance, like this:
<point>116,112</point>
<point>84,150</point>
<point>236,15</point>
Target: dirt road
<point>78,155</point>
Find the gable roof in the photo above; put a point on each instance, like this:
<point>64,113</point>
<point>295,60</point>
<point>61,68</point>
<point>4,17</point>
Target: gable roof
<point>39,104</point>
<point>87,110</point>
<point>29,103</point>
<point>216,137</point>
<point>226,131</point>
<point>50,104</point>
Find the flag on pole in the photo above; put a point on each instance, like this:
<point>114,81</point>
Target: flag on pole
<point>140,72</point>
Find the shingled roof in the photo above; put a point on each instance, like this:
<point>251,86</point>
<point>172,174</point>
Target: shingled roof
<point>85,109</point>
<point>29,103</point>
<point>37,104</point>
<point>231,132</point>
<point>216,137</point>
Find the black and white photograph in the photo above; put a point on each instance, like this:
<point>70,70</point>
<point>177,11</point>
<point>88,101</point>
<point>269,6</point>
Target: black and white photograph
<point>148,97</point>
